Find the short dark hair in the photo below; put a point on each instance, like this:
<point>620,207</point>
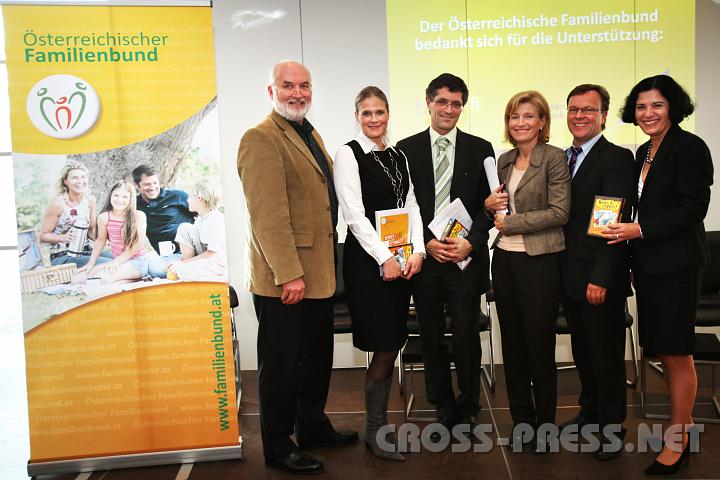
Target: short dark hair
<point>591,87</point>
<point>144,169</point>
<point>680,103</point>
<point>369,92</point>
<point>449,81</point>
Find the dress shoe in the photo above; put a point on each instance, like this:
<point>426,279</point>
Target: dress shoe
<point>516,443</point>
<point>296,462</point>
<point>540,447</point>
<point>468,424</point>
<point>609,450</point>
<point>580,420</point>
<point>657,469</point>
<point>446,422</point>
<point>330,438</point>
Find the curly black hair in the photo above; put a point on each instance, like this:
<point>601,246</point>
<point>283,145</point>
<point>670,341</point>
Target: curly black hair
<point>680,103</point>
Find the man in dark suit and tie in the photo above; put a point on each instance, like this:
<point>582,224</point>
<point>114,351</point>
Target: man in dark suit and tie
<point>445,164</point>
<point>596,275</point>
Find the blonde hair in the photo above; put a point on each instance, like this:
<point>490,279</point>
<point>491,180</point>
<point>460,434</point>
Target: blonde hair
<point>130,233</point>
<point>61,187</point>
<point>207,193</point>
<point>536,99</point>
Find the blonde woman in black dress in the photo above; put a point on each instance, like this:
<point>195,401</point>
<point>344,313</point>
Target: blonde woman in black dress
<point>371,175</point>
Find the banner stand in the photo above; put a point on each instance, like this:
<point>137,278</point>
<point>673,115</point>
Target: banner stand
<point>233,452</point>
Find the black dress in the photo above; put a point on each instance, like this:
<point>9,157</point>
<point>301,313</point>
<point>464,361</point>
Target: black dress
<point>378,309</point>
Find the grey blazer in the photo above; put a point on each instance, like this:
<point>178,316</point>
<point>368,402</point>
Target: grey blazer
<point>542,199</point>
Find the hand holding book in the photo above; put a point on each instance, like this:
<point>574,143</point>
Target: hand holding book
<point>621,232</point>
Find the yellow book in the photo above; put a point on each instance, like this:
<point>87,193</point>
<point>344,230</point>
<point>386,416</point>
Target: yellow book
<point>606,210</point>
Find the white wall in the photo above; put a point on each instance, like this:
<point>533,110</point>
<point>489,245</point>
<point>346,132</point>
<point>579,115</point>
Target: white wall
<point>344,44</point>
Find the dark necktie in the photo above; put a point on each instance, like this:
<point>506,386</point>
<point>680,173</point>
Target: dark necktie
<point>574,152</point>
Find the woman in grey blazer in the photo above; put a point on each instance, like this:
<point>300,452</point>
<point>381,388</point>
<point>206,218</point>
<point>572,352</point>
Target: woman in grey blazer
<point>535,187</point>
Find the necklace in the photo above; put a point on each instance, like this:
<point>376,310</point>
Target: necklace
<point>648,159</point>
<point>395,180</point>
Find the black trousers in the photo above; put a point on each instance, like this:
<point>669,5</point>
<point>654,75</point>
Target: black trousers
<point>527,297</point>
<point>432,289</point>
<point>598,344</point>
<point>295,352</point>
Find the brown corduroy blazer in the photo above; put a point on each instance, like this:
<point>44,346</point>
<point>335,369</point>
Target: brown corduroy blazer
<point>290,231</point>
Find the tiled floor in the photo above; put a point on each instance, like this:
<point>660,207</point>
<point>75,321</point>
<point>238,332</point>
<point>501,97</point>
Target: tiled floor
<point>345,407</point>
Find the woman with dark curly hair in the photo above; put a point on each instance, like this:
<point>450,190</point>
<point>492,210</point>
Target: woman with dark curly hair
<point>674,171</point>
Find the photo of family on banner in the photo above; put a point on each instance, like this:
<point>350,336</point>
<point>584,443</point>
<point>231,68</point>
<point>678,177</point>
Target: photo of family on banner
<point>85,233</point>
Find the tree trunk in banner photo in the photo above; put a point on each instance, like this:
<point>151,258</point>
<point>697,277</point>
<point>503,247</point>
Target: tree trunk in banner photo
<point>165,152</point>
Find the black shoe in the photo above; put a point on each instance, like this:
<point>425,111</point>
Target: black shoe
<point>331,438</point>
<point>517,444</point>
<point>446,422</point>
<point>540,447</point>
<point>296,462</point>
<point>609,450</point>
<point>468,425</point>
<point>580,420</point>
<point>658,469</point>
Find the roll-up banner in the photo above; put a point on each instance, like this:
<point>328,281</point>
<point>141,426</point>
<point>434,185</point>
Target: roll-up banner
<point>121,236</point>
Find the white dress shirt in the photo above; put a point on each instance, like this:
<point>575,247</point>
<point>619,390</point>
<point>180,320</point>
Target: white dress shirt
<point>347,186</point>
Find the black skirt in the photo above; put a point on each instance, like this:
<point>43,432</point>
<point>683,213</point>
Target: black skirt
<point>667,305</point>
<point>378,309</point>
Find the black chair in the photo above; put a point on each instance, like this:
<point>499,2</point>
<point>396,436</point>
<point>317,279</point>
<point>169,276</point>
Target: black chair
<point>234,302</point>
<point>707,345</point>
<point>411,358</point>
<point>562,328</point>
<point>341,312</point>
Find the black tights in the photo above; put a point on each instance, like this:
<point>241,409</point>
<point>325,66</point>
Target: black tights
<point>381,366</point>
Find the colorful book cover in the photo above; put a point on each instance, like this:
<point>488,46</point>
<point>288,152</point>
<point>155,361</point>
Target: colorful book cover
<point>455,229</point>
<point>393,226</point>
<point>606,210</point>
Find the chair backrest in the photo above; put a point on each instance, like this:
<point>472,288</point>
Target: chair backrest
<point>341,312</point>
<point>562,327</point>
<point>339,281</point>
<point>234,302</point>
<point>711,271</point>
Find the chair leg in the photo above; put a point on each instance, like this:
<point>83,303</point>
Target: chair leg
<point>633,352</point>
<point>236,359</point>
<point>657,366</point>
<point>401,373</point>
<point>714,396</point>
<point>643,393</point>
<point>643,386</point>
<point>490,370</point>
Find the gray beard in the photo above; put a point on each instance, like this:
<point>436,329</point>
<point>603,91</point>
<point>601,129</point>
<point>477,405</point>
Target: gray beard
<point>283,110</point>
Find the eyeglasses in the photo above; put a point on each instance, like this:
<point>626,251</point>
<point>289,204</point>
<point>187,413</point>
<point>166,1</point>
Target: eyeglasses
<point>288,87</point>
<point>443,103</point>
<point>583,110</point>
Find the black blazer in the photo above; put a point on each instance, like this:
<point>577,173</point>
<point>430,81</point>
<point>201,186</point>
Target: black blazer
<point>469,183</point>
<point>673,204</point>
<point>606,170</point>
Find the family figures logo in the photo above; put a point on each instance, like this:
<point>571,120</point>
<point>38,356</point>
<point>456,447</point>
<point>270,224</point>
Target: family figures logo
<point>63,106</point>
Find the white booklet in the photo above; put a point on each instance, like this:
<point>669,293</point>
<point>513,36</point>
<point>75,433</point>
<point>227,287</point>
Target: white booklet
<point>453,212</point>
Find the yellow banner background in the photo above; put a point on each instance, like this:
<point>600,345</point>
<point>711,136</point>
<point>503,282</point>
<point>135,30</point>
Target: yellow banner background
<point>138,99</point>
